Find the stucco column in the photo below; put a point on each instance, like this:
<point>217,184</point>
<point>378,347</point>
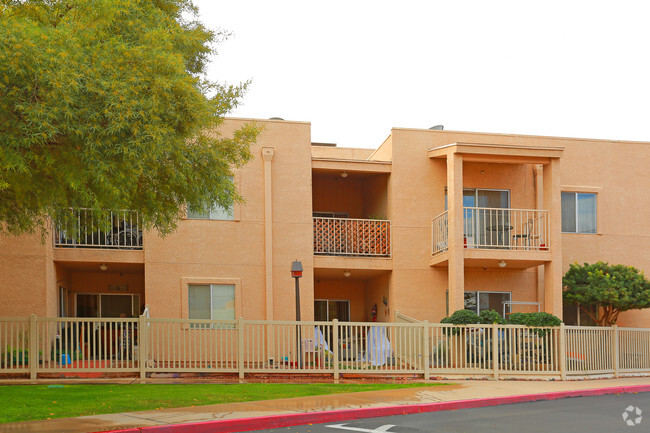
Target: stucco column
<point>539,204</point>
<point>267,156</point>
<point>456,280</point>
<point>553,269</point>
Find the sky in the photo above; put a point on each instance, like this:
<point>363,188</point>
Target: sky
<point>355,69</point>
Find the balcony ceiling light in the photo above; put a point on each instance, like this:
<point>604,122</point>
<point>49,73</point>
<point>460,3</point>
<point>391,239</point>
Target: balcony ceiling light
<point>502,264</point>
<point>347,273</point>
<point>344,174</point>
<point>103,266</point>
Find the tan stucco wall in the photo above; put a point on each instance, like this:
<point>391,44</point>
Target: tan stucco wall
<point>24,276</point>
<point>215,250</point>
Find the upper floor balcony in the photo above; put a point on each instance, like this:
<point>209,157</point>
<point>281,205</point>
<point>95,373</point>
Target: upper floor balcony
<point>352,237</point>
<point>120,230</point>
<point>494,235</point>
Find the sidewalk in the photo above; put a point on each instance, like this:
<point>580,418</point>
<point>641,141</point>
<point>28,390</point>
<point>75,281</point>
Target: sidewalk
<point>294,411</point>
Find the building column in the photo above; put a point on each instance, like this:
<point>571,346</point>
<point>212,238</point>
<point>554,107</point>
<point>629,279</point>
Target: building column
<point>267,156</point>
<point>553,269</point>
<point>455,241</point>
<point>539,204</point>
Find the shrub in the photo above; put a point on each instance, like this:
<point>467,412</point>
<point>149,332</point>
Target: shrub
<point>489,317</point>
<point>462,317</point>
<point>534,319</point>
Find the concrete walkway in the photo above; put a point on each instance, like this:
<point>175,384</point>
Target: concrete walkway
<point>467,391</point>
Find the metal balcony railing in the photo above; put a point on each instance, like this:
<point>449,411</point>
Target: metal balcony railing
<point>124,231</point>
<point>496,228</point>
<point>352,237</point>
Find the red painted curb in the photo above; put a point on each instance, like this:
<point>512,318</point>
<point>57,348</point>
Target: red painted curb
<point>275,421</point>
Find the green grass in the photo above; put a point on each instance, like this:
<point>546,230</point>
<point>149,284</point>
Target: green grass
<point>35,402</point>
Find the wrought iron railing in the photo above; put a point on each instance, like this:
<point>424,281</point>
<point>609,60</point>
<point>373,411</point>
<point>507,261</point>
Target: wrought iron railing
<point>117,230</point>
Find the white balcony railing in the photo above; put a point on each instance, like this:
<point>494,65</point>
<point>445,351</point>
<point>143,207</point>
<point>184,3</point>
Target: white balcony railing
<point>496,228</point>
<point>124,231</point>
<point>352,237</point>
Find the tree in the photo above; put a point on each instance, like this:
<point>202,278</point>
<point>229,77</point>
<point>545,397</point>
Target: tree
<point>614,288</point>
<point>105,105</point>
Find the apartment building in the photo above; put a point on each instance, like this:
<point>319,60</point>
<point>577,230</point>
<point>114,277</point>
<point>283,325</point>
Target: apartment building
<point>429,222</point>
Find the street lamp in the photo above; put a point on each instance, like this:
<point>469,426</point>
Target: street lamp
<point>296,273</point>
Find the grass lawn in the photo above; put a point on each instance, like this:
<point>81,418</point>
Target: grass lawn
<point>34,402</point>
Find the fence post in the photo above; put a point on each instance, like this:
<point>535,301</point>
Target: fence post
<point>33,347</point>
<point>562,351</point>
<point>240,347</point>
<point>143,342</point>
<point>335,348</point>
<point>495,351</point>
<point>427,351</point>
<point>615,351</point>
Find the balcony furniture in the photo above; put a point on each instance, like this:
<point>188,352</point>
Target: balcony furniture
<point>500,231</point>
<point>526,236</point>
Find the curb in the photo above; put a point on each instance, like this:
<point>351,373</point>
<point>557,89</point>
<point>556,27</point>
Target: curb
<point>276,421</point>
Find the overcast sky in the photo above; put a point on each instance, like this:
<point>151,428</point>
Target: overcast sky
<point>354,69</point>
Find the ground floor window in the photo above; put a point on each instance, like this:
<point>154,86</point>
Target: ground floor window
<point>107,305</point>
<point>326,310</point>
<point>211,301</point>
<point>574,315</point>
<point>483,300</point>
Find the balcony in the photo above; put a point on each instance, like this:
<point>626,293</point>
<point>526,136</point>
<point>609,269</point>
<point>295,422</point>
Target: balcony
<point>352,237</point>
<point>120,230</point>
<point>489,234</point>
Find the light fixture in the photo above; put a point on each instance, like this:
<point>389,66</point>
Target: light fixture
<point>347,273</point>
<point>482,171</point>
<point>103,266</point>
<point>344,174</point>
<point>502,264</point>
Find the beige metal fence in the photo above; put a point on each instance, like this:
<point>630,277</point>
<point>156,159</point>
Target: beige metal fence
<point>83,345</point>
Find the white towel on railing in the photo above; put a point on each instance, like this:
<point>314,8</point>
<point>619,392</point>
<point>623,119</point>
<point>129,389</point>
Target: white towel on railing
<point>319,339</point>
<point>378,348</point>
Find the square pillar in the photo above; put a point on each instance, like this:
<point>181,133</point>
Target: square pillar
<point>456,270</point>
<point>553,269</point>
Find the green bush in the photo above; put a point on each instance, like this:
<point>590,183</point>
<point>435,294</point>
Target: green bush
<point>534,319</point>
<point>489,317</point>
<point>462,317</point>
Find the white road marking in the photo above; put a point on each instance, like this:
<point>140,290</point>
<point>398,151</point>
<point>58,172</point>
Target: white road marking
<point>382,429</point>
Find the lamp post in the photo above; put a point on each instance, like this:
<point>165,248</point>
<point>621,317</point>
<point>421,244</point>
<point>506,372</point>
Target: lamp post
<point>296,273</point>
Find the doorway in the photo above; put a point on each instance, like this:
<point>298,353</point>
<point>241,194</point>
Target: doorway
<point>326,310</point>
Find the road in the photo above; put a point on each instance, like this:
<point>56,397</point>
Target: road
<point>603,414</point>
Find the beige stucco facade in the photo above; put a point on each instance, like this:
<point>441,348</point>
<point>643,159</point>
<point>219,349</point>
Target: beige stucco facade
<point>362,223</point>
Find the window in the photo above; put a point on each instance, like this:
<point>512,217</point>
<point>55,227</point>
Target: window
<point>215,212</point>
<point>326,310</point>
<point>578,212</point>
<point>211,301</point>
<point>480,301</point>
<point>573,314</point>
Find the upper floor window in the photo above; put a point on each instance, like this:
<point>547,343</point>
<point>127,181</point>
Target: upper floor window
<point>578,212</point>
<point>214,212</point>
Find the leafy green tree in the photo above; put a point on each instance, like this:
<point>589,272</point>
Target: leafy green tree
<point>105,105</point>
<point>614,288</point>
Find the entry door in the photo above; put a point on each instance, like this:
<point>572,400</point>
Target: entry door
<point>490,226</point>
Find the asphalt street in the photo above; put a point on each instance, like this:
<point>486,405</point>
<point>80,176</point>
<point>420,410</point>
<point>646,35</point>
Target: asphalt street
<point>604,414</point>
